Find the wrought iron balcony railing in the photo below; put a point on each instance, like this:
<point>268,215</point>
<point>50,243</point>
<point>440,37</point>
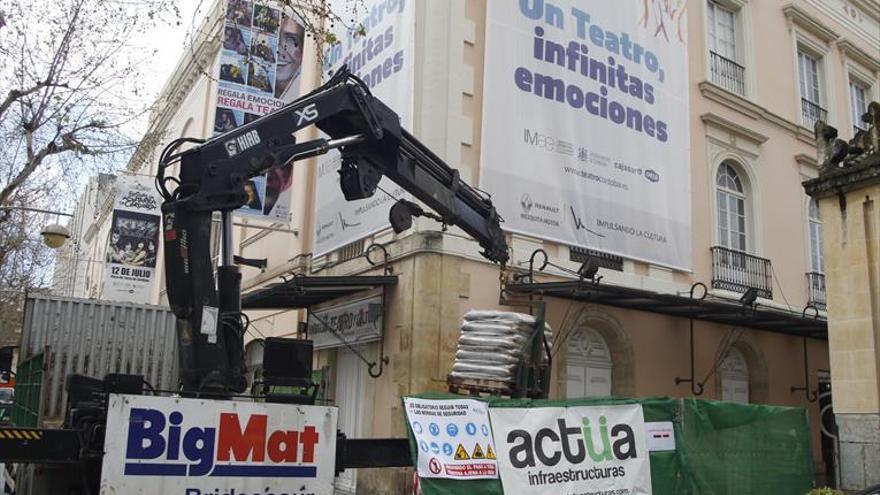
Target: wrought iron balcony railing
<point>738,271</point>
<point>816,285</point>
<point>727,74</point>
<point>811,113</point>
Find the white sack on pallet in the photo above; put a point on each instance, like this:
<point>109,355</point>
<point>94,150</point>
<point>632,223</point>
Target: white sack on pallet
<point>491,343</point>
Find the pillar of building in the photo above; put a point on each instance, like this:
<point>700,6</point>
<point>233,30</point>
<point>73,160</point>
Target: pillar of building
<point>848,192</point>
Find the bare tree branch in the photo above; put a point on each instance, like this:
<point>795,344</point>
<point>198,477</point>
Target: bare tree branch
<point>71,104</point>
<point>15,94</point>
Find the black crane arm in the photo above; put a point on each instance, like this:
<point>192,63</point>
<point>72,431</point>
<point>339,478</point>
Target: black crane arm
<point>213,177</point>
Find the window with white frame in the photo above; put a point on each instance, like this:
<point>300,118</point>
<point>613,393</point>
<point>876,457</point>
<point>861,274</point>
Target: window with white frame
<point>724,64</point>
<point>809,74</point>
<point>731,203</point>
<point>815,221</point>
<point>858,100</point>
<point>815,277</point>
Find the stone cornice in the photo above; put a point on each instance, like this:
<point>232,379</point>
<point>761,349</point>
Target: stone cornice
<point>754,111</point>
<point>855,53</point>
<point>806,160</point>
<point>730,100</point>
<point>862,173</point>
<point>797,16</point>
<point>872,8</point>
<point>196,59</point>
<point>733,128</point>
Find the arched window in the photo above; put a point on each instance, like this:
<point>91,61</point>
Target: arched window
<point>734,373</point>
<point>815,221</point>
<point>588,366</point>
<point>731,203</point>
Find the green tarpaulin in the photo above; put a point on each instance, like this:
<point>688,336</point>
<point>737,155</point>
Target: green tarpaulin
<point>721,448</point>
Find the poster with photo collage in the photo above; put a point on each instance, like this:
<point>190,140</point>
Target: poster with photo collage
<point>259,72</point>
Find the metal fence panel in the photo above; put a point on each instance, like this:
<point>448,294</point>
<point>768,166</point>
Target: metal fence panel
<point>94,338</point>
<point>28,392</point>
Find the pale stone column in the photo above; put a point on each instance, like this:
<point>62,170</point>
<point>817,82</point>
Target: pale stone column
<point>849,200</point>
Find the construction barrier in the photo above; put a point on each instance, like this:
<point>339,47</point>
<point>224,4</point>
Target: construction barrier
<point>28,392</point>
<point>694,446</point>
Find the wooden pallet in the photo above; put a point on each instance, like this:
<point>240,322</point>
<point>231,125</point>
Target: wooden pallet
<point>477,387</point>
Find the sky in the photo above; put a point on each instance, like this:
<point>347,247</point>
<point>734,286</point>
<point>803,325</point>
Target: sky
<point>170,41</point>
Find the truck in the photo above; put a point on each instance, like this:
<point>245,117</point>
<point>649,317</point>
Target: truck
<point>203,435</point>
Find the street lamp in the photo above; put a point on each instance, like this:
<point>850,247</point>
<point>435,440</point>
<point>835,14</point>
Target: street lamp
<point>54,235</point>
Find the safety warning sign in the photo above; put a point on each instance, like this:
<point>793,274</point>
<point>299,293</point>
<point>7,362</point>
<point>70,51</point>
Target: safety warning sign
<point>478,452</point>
<point>461,454</point>
<point>453,437</point>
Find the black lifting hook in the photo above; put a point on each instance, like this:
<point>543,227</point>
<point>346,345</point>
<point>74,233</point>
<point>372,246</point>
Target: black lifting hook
<point>696,388</point>
<point>809,394</point>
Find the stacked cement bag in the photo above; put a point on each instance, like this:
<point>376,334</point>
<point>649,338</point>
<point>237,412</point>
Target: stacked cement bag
<point>492,343</point>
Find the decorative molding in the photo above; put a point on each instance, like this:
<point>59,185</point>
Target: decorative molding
<point>733,128</point>
<point>754,111</point>
<point>721,150</point>
<point>806,136</point>
<point>860,17</point>
<point>731,100</point>
<point>872,8</point>
<point>806,160</point>
<point>791,126</point>
<point>733,4</point>
<point>195,60</point>
<point>797,16</point>
<point>858,55</point>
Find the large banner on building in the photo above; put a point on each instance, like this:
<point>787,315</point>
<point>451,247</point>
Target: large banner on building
<point>585,124</point>
<point>208,447</point>
<point>259,72</point>
<point>130,260</point>
<point>383,57</point>
<point>572,450</point>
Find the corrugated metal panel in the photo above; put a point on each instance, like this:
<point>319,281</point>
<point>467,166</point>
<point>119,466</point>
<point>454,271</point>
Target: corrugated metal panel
<point>95,338</point>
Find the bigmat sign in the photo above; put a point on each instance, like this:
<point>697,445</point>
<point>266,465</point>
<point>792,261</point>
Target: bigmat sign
<point>585,124</point>
<point>572,450</point>
<point>210,447</point>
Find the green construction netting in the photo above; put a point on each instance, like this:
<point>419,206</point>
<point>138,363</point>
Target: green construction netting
<point>743,448</point>
<point>28,389</point>
<point>721,448</point>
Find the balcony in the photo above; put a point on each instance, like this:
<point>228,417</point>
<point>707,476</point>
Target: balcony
<point>727,74</point>
<point>816,285</point>
<point>738,271</point>
<point>812,113</point>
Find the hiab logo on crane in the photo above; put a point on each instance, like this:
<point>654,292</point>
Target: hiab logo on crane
<point>239,446</point>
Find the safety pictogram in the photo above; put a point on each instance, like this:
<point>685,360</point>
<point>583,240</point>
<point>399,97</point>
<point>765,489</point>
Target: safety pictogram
<point>478,453</point>
<point>435,466</point>
<point>490,454</point>
<point>461,454</point>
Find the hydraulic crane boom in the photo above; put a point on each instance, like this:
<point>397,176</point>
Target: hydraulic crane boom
<point>213,176</point>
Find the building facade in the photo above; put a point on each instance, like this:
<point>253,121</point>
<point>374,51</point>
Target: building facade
<point>760,75</point>
<point>847,193</point>
<point>79,265</point>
